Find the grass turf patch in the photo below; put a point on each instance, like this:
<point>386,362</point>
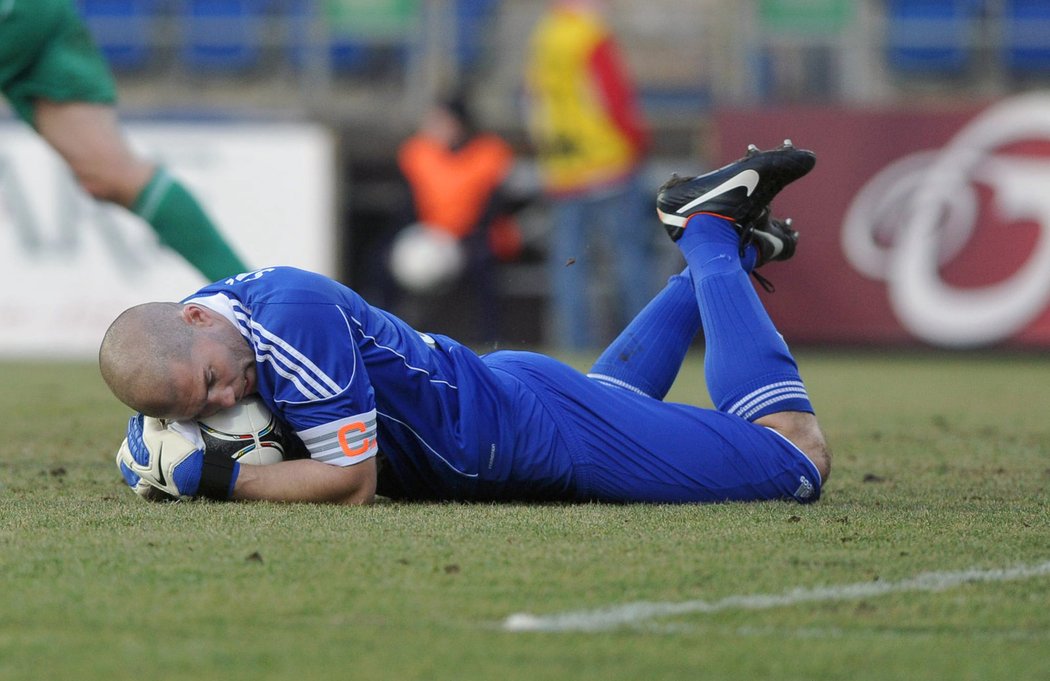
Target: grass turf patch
<point>942,462</point>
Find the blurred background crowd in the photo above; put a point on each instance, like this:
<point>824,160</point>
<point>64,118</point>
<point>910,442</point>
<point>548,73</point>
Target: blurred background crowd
<point>465,75</point>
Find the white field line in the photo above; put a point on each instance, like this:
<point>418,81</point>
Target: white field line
<point>630,614</point>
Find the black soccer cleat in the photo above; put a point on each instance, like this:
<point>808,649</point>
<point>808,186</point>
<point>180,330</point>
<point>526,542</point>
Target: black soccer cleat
<point>775,239</point>
<point>739,191</point>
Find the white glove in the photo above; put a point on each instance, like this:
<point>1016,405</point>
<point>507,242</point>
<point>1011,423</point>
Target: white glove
<point>157,462</point>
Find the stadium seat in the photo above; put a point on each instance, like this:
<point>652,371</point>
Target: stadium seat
<point>310,28</point>
<point>931,37</point>
<point>124,30</point>
<point>222,35</point>
<point>471,31</point>
<point>359,35</point>
<point>1026,37</point>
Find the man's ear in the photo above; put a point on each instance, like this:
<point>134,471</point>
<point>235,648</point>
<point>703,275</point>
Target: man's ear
<point>196,315</point>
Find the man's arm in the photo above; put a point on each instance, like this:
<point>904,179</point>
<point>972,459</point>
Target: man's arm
<point>308,480</point>
<point>161,463</point>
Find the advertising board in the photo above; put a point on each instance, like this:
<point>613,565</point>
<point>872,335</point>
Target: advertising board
<point>924,226</point>
<point>69,265</point>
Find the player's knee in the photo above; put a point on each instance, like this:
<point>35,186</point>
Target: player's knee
<point>804,432</point>
<point>108,189</point>
<point>97,188</point>
<point>810,439</point>
<point>118,183</point>
<point>820,455</point>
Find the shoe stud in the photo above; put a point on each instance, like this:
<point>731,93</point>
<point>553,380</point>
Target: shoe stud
<point>788,144</point>
<point>752,150</point>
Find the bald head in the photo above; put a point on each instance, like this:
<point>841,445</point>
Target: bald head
<point>140,351</point>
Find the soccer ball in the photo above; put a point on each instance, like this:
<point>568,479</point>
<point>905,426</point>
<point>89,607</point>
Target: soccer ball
<point>426,259</point>
<point>247,431</point>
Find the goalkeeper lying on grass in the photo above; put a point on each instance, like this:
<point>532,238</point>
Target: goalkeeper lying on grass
<point>385,409</point>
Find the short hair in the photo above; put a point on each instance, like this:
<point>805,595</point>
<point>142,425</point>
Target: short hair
<point>457,104</point>
<point>138,353</point>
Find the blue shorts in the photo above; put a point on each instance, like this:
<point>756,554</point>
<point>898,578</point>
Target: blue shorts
<point>619,446</point>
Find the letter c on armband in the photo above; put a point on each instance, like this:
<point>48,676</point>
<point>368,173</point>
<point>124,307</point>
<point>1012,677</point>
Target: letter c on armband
<point>344,443</point>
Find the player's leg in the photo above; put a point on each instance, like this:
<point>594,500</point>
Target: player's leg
<point>648,353</point>
<point>749,370</point>
<point>89,138</point>
<point>646,356</point>
<point>58,81</point>
<point>619,446</point>
<point>182,225</point>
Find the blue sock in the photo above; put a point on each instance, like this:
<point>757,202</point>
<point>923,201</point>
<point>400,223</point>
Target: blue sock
<point>749,370</point>
<point>750,258</point>
<point>647,355</point>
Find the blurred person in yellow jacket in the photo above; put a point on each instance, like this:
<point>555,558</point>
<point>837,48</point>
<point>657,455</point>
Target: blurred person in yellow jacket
<point>591,141</point>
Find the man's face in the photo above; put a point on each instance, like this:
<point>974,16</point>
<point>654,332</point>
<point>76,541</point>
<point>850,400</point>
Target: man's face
<point>219,373</point>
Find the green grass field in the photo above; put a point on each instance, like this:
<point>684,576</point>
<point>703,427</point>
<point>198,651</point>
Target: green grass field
<point>942,466</point>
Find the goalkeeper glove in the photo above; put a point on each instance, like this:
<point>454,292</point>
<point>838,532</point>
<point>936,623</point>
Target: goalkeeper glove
<point>162,463</point>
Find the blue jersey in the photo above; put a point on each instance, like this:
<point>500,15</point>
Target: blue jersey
<point>353,381</point>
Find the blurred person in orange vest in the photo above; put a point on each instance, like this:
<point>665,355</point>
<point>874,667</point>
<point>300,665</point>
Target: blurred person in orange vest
<point>462,223</point>
<point>591,140</point>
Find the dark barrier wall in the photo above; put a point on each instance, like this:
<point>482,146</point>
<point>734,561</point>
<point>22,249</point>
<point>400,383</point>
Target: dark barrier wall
<point>927,227</point>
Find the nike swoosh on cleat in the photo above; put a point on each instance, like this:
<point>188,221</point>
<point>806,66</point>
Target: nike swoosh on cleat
<point>747,179</point>
<point>776,243</point>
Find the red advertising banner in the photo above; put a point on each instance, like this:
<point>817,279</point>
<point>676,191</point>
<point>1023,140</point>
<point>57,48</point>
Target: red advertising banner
<point>917,227</point>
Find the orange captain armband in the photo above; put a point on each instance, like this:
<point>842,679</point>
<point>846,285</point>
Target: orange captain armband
<point>344,442</point>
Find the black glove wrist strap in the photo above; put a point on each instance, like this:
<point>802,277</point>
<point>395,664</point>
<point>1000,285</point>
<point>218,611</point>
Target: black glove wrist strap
<point>216,475</point>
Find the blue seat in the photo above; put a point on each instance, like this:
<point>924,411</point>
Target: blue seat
<point>309,29</point>
<point>222,35</point>
<point>355,47</point>
<point>1026,37</point>
<point>472,17</point>
<point>931,37</point>
<point>124,30</point>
